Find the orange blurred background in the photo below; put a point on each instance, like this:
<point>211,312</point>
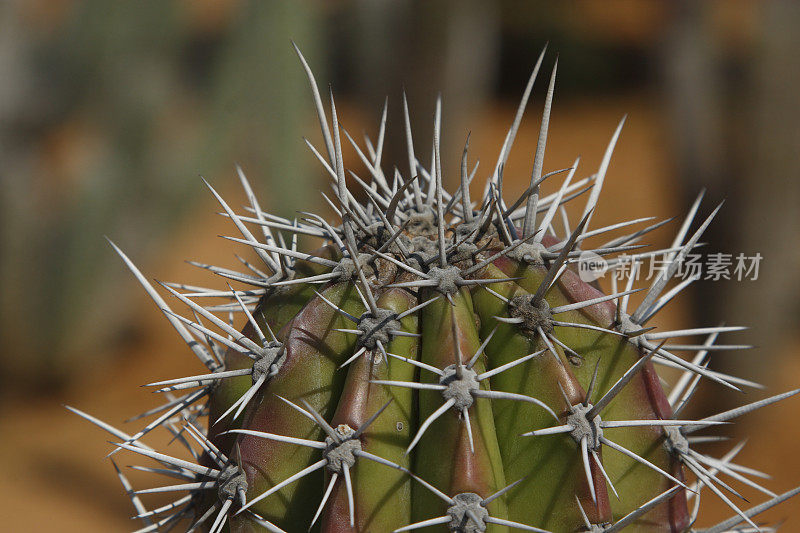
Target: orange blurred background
<point>110,111</point>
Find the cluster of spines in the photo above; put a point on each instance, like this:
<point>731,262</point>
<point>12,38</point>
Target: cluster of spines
<point>401,234</point>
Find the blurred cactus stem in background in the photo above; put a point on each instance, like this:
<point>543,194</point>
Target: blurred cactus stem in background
<point>120,97</point>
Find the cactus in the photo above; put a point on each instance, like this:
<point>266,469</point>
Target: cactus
<point>436,364</point>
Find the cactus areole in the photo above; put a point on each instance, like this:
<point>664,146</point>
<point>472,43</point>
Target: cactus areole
<point>436,364</point>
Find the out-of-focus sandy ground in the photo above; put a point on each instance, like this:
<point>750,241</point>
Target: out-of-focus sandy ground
<point>55,477</point>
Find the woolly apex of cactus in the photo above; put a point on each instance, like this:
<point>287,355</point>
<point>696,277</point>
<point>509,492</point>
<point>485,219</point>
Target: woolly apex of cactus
<point>432,350</point>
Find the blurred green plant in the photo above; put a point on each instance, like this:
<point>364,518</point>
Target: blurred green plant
<point>109,117</point>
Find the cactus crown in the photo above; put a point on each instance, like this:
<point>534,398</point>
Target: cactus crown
<point>437,363</point>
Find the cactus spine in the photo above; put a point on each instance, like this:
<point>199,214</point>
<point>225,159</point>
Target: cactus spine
<point>437,364</point>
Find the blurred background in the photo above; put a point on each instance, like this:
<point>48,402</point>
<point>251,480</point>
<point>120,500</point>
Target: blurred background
<point>110,112</point>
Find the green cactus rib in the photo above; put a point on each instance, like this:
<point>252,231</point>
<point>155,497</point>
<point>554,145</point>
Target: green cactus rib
<point>437,365</point>
<point>465,431</point>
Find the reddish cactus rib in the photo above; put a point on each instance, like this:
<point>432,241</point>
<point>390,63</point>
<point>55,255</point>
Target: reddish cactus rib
<point>274,312</point>
<point>382,495</point>
<point>313,353</point>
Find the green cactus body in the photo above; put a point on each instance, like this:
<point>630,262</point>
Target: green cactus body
<point>550,504</point>
<point>439,364</point>
<point>642,399</point>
